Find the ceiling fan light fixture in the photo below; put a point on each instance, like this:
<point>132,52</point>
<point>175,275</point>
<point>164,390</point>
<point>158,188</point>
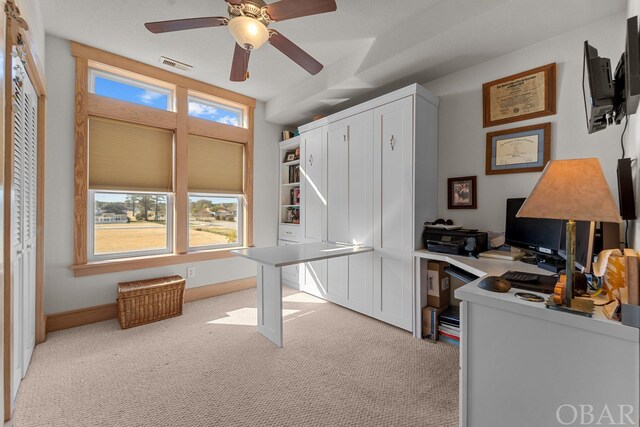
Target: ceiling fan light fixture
<point>248,32</point>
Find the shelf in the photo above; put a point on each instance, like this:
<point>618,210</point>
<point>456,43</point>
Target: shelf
<point>291,163</point>
<point>290,206</point>
<point>291,184</point>
<point>288,223</point>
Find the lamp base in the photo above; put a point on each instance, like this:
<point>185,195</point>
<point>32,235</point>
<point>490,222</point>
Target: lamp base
<point>579,306</point>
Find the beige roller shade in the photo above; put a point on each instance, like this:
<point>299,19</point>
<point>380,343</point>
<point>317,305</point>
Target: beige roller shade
<point>215,166</point>
<point>125,156</point>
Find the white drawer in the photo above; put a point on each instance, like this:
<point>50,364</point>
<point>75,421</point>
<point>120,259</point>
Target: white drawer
<point>288,232</point>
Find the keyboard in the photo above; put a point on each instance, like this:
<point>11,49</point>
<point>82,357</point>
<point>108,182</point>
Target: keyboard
<point>521,276</point>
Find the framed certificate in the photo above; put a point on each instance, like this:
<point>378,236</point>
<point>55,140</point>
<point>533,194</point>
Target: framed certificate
<point>525,149</point>
<point>519,97</point>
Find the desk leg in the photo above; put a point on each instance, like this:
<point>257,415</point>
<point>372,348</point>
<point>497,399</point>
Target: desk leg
<point>269,292</point>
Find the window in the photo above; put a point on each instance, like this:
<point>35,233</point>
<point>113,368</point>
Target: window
<point>114,86</point>
<point>129,224</point>
<point>215,112</point>
<point>131,179</point>
<point>215,183</point>
<point>162,186</point>
<point>214,221</point>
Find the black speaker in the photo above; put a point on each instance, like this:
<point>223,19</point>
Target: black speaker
<point>626,195</point>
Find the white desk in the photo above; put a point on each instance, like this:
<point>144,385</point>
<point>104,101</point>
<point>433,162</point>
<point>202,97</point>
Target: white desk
<point>269,278</point>
<point>520,361</point>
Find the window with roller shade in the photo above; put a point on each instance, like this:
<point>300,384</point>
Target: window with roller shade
<point>146,181</point>
<point>215,185</point>
<point>130,189</point>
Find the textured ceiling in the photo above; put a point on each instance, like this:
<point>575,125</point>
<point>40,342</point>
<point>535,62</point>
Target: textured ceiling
<point>365,44</point>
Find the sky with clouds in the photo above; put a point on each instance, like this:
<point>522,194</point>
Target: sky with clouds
<point>150,98</point>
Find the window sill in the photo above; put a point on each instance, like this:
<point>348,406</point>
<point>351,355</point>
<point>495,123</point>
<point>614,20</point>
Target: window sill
<point>126,264</point>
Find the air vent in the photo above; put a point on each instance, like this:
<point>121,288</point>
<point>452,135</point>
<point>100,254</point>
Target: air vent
<point>175,64</point>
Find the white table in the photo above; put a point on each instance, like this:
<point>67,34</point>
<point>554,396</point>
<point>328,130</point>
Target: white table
<point>520,362</point>
<point>269,278</point>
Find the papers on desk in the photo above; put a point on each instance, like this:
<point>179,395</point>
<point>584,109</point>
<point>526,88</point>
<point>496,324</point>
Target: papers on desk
<point>506,255</point>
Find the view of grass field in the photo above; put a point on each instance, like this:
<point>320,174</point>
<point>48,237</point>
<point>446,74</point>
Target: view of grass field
<point>134,236</point>
<point>133,223</point>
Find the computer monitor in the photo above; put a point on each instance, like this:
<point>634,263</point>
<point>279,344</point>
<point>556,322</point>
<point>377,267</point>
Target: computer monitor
<point>548,236</point>
<point>537,235</point>
<point>585,235</point>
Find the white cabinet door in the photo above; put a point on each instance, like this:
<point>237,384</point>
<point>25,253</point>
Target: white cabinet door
<point>314,198</point>
<point>393,177</point>
<point>361,146</point>
<point>23,220</point>
<point>350,209</point>
<point>290,273</point>
<point>314,207</point>
<point>338,208</point>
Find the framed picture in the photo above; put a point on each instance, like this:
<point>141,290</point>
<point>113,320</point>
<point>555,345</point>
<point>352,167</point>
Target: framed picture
<point>524,149</point>
<point>462,193</point>
<point>519,97</point>
<point>290,156</point>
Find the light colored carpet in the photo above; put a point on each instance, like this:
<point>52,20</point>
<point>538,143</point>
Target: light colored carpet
<point>210,367</point>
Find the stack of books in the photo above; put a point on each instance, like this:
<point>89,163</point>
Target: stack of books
<point>449,325</point>
<point>288,134</point>
<point>294,174</point>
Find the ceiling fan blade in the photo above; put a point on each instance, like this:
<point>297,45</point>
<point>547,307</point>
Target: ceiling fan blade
<point>294,52</point>
<point>186,24</point>
<point>234,2</point>
<point>288,9</point>
<point>240,64</point>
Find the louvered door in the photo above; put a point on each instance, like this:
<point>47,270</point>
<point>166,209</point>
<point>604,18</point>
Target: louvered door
<point>23,217</point>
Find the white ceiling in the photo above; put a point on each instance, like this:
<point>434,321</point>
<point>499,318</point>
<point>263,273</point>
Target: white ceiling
<point>364,45</point>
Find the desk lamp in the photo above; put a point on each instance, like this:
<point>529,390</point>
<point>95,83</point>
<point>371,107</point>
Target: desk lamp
<point>572,190</point>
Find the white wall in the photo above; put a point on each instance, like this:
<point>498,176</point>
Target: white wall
<point>64,292</point>
<point>30,11</point>
<point>632,146</point>
<point>462,137</point>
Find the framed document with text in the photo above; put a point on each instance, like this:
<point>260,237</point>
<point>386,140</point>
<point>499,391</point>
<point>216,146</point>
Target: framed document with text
<point>519,97</point>
<point>525,149</point>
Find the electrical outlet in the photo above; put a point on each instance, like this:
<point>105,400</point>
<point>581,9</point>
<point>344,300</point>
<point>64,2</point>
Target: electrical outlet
<point>191,272</point>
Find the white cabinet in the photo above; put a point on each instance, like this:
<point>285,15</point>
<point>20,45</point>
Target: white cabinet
<point>291,273</point>
<point>370,177</point>
<point>350,209</point>
<point>393,197</point>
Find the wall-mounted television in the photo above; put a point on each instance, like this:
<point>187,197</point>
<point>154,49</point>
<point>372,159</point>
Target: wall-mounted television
<point>607,97</point>
<point>597,87</point>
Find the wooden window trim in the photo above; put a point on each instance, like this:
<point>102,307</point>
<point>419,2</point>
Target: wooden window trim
<point>88,104</point>
<point>90,53</point>
<point>127,264</point>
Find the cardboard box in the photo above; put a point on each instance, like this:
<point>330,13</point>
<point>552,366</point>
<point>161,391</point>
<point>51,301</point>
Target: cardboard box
<point>429,327</point>
<point>438,284</point>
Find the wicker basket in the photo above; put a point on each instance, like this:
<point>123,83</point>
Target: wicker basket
<point>146,301</point>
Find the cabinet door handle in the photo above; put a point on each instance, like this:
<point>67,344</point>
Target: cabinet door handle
<point>311,160</point>
<point>392,142</point>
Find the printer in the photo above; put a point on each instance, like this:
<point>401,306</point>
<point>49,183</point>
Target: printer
<point>456,242</point>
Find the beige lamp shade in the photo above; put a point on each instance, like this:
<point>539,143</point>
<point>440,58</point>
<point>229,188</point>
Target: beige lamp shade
<point>572,189</point>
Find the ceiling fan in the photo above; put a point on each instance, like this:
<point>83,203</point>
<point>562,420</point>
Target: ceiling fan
<point>248,22</point>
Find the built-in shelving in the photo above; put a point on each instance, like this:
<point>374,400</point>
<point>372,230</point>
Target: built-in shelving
<point>289,184</point>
